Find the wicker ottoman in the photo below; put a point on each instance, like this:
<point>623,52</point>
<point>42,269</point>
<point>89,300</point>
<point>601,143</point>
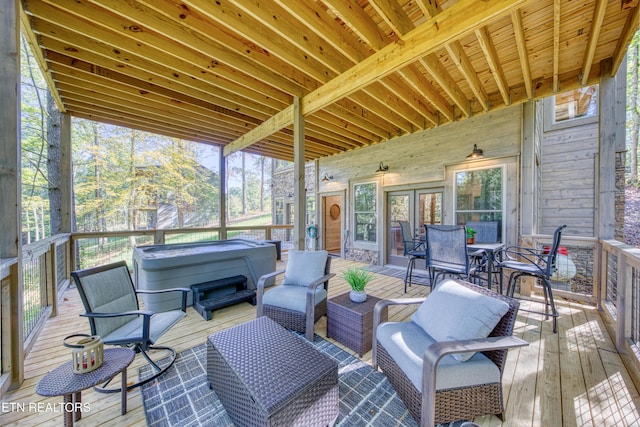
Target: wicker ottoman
<point>264,375</point>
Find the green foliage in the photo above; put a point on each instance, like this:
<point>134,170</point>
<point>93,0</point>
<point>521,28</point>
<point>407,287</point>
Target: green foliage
<point>357,278</point>
<point>470,232</point>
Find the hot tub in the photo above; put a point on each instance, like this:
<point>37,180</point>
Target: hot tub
<point>185,264</point>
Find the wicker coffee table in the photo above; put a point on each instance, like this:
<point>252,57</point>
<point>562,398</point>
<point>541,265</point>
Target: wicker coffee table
<point>62,381</point>
<point>266,375</point>
<point>351,323</point>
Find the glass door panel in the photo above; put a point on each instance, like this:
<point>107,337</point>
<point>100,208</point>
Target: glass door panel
<point>400,208</point>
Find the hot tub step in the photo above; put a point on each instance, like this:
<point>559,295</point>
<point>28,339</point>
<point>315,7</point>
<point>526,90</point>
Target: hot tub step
<point>205,307</point>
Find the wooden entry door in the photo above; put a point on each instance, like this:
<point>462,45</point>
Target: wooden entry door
<point>332,223</point>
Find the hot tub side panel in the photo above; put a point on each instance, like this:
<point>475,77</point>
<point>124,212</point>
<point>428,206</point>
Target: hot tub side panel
<point>252,261</point>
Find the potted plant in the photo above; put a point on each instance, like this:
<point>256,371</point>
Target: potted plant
<point>471,233</point>
<point>357,278</point>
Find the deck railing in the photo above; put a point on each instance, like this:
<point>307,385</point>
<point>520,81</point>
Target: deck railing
<point>607,275</point>
<point>620,280</point>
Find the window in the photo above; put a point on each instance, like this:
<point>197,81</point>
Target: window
<point>311,210</point>
<point>575,107</point>
<point>365,212</point>
<point>478,195</point>
<point>279,214</point>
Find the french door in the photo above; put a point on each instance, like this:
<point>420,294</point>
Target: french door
<point>418,207</point>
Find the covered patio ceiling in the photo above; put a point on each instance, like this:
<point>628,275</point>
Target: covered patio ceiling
<point>364,71</point>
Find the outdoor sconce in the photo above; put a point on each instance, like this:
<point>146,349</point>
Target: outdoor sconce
<point>327,178</point>
<point>382,167</point>
<point>476,153</point>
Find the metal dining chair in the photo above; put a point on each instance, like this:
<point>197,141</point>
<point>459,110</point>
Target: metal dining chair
<point>447,252</point>
<point>413,249</point>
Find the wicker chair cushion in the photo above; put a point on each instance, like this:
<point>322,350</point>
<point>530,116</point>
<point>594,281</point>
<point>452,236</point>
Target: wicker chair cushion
<point>304,267</point>
<point>454,312</point>
<point>132,331</point>
<point>406,343</point>
<point>292,297</point>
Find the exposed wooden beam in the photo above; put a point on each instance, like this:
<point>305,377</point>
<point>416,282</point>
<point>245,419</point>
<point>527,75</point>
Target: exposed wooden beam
<point>355,18</point>
<point>556,43</point>
<point>405,92</point>
<point>482,34</point>
<point>462,17</point>
<point>594,35</point>
<point>444,79</point>
<point>629,29</point>
<point>280,120</point>
<point>521,45</point>
<point>394,15</point>
<point>459,57</point>
<point>424,87</point>
<point>429,7</point>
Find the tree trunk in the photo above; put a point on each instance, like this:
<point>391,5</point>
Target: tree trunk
<point>262,162</point>
<point>54,167</point>
<point>635,116</point>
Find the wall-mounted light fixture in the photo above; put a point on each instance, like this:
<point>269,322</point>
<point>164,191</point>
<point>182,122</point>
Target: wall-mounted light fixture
<point>327,178</point>
<point>382,167</point>
<point>476,153</point>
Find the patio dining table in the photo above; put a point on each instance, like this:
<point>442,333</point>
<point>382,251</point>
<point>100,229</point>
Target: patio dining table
<point>491,249</point>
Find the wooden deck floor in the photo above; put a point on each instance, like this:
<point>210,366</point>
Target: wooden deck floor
<point>572,378</point>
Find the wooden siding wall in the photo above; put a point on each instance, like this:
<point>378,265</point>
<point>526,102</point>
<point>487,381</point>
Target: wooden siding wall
<point>421,157</point>
<point>420,160</point>
<point>567,180</point>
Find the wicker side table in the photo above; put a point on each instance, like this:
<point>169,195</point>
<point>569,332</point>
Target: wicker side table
<point>351,323</point>
<point>62,381</point>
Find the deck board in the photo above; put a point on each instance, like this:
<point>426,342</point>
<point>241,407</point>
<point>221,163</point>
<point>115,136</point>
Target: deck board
<point>572,378</point>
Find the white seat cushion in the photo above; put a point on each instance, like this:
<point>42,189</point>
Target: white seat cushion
<point>406,343</point>
<point>292,297</point>
<point>454,312</point>
<point>304,267</point>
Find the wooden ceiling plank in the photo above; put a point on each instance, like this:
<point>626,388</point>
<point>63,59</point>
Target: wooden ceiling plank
<point>102,55</point>
<point>594,35</point>
<point>521,45</point>
<point>146,23</point>
<point>143,87</point>
<point>394,15</point>
<point>286,27</point>
<point>556,44</point>
<point>460,59</point>
<point>460,18</point>
<point>489,50</point>
<point>403,90</point>
<point>429,7</point>
<point>420,83</point>
<point>446,82</point>
<point>628,31</point>
<point>237,21</point>
<point>328,28</point>
<point>355,18</point>
<point>404,115</point>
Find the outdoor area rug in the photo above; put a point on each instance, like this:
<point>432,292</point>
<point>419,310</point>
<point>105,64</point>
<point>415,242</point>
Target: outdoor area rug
<point>182,396</point>
<point>399,273</point>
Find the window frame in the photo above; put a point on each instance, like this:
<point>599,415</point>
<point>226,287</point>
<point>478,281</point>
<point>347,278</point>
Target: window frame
<point>550,123</point>
<point>365,244</point>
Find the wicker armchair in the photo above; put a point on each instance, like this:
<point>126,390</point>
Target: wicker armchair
<point>301,299</point>
<point>424,369</point>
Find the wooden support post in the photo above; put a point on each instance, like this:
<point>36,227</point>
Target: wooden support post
<point>223,196</point>
<point>10,208</point>
<point>299,192</point>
